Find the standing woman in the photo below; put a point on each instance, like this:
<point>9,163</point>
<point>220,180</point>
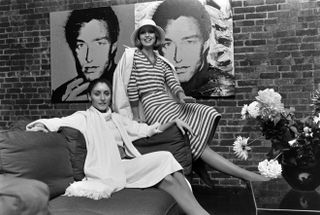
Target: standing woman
<point>105,169</point>
<point>145,88</point>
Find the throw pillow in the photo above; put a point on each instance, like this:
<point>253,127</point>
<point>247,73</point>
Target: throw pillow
<point>20,125</point>
<point>78,150</point>
<point>23,196</point>
<point>171,140</point>
<point>37,155</point>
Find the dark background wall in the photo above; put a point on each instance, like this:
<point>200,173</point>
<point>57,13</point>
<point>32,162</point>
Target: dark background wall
<point>276,45</point>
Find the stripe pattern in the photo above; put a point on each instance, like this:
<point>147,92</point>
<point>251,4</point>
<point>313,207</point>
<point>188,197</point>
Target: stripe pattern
<point>159,107</point>
<point>146,77</point>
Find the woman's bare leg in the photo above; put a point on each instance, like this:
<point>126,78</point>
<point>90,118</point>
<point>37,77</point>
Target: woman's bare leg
<point>182,195</point>
<point>222,164</point>
<point>183,181</point>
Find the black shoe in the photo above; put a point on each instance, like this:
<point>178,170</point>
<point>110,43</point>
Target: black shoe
<point>199,167</point>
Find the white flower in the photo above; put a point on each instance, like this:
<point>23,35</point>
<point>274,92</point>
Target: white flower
<point>292,142</point>
<point>316,119</point>
<point>271,99</point>
<point>307,131</point>
<point>241,148</point>
<point>244,111</point>
<point>254,109</point>
<point>270,169</point>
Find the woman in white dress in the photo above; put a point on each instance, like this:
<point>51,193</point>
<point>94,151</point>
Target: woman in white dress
<point>105,169</point>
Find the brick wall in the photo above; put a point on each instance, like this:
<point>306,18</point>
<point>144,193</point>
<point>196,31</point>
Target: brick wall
<point>276,45</point>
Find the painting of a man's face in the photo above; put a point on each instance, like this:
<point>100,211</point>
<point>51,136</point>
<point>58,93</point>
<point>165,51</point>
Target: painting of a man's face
<point>93,48</point>
<point>182,35</point>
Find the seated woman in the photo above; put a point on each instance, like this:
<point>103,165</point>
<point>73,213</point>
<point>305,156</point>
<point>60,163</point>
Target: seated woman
<point>106,171</point>
<point>146,88</point>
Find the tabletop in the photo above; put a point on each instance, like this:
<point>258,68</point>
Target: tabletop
<point>277,197</point>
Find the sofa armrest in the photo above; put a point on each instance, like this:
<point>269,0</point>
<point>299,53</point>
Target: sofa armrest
<point>171,140</point>
<point>23,196</point>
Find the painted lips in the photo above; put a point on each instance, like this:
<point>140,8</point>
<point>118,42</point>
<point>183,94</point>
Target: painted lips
<point>181,69</point>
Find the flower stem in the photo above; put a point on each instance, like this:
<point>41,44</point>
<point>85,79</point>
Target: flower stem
<point>261,137</point>
<point>277,156</point>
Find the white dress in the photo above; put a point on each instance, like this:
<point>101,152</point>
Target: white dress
<point>105,171</point>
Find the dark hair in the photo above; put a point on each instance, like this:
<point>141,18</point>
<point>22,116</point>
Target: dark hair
<point>156,46</point>
<point>78,17</point>
<point>97,81</point>
<point>173,9</point>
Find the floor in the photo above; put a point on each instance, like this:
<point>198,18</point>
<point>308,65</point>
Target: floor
<point>225,200</point>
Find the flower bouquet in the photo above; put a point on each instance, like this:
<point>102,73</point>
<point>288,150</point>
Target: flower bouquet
<point>294,143</point>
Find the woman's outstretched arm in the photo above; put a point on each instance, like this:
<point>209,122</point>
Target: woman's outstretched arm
<point>75,120</point>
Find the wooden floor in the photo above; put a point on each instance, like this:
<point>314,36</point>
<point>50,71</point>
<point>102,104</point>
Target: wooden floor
<point>225,200</point>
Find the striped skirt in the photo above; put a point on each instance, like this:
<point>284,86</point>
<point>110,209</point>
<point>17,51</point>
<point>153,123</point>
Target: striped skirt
<point>203,119</point>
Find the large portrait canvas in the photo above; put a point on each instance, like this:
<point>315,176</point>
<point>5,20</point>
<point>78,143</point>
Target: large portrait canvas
<point>87,44</point>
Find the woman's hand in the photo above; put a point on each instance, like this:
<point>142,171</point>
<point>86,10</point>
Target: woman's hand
<point>185,99</point>
<point>38,127</point>
<point>183,127</point>
<point>189,99</point>
<point>135,113</point>
<point>137,119</point>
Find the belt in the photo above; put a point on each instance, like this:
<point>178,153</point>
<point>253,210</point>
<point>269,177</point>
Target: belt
<point>150,92</point>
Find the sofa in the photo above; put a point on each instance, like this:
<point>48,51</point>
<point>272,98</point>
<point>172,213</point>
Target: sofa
<point>36,168</point>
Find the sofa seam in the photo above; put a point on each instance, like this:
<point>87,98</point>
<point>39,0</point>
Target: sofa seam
<point>1,163</point>
<point>171,207</point>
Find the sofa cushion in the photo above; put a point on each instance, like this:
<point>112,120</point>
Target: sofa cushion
<point>149,201</point>
<point>20,125</point>
<point>78,150</point>
<point>23,196</point>
<point>37,155</point>
<point>171,140</point>
<point>76,145</point>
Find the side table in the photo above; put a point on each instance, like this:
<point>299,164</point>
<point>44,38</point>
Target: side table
<point>277,197</point>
